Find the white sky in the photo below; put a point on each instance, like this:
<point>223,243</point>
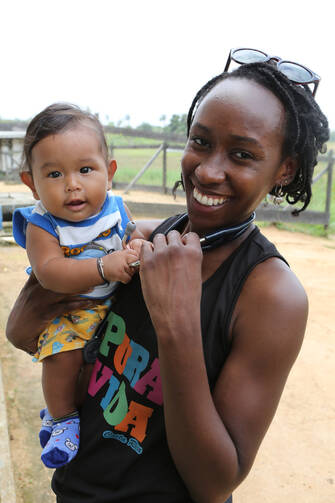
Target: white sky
<point>146,58</point>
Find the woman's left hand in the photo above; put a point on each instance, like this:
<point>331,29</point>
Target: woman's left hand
<point>171,280</point>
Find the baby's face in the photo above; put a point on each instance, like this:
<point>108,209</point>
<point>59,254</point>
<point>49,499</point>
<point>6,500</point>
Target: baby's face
<point>70,173</point>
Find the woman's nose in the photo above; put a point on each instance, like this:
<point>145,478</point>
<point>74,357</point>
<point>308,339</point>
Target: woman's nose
<point>211,170</point>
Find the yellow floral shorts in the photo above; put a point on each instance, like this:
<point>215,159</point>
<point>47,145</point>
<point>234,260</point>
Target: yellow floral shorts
<point>70,331</point>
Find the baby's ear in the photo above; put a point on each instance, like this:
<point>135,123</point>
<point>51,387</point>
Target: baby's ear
<point>111,168</point>
<point>27,179</point>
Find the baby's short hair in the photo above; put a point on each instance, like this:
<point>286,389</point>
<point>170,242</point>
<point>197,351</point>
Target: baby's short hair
<point>57,118</point>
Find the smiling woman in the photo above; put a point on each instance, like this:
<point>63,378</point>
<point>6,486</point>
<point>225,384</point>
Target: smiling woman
<point>196,349</point>
<point>233,154</point>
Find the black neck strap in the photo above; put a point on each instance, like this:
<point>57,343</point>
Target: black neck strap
<point>218,237</point>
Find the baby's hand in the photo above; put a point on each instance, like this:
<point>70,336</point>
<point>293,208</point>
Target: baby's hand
<point>116,265</point>
<point>136,245</point>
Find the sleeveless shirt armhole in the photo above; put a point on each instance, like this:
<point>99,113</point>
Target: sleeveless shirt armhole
<point>239,285</point>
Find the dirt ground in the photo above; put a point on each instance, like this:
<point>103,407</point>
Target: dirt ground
<point>296,461</point>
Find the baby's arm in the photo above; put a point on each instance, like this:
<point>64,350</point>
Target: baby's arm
<point>66,275</point>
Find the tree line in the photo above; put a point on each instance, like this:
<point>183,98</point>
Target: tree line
<point>175,125</point>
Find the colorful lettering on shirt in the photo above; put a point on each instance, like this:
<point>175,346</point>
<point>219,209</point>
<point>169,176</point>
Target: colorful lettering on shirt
<point>137,419</point>
<point>77,250</point>
<point>131,367</point>
<point>136,363</point>
<point>151,383</point>
<point>97,383</point>
<point>117,408</point>
<point>122,354</point>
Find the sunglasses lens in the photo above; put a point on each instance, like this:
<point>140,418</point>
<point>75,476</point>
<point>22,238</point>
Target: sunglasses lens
<point>295,72</point>
<point>244,56</point>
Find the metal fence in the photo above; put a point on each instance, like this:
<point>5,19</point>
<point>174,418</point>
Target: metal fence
<point>11,146</point>
<point>10,154</point>
<point>162,148</point>
<point>273,213</point>
<point>266,211</point>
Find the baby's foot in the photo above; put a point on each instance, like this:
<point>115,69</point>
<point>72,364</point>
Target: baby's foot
<point>63,443</point>
<point>46,427</point>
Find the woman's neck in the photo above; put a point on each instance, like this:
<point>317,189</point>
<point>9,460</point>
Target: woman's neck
<point>212,259</point>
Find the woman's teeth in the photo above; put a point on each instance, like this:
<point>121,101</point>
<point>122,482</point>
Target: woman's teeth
<point>207,200</point>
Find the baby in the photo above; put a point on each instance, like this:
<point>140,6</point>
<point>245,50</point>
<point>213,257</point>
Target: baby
<point>66,167</point>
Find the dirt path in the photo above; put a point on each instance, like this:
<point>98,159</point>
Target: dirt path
<point>296,461</point>
<point>134,195</point>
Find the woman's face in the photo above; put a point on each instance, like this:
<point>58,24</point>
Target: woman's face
<point>233,155</point>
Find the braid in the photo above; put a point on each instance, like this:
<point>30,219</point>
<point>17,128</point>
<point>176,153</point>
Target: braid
<point>306,126</point>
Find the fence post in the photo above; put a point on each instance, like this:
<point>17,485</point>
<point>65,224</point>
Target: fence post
<point>111,148</point>
<point>164,167</point>
<point>143,170</point>
<point>329,186</point>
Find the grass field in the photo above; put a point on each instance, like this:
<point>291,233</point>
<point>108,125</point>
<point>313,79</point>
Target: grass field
<point>130,161</point>
<point>318,203</point>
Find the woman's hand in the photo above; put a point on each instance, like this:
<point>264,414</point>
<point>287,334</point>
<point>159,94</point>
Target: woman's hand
<point>171,281</point>
<point>34,309</point>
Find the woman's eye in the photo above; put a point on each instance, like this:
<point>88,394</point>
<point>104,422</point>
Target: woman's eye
<point>242,155</point>
<point>85,169</point>
<point>199,141</point>
<point>54,174</point>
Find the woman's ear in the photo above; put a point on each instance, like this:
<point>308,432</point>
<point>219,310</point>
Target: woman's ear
<point>112,167</point>
<point>287,171</point>
<point>27,179</point>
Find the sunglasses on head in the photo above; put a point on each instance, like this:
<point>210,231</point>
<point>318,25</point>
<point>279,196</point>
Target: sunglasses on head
<point>295,72</point>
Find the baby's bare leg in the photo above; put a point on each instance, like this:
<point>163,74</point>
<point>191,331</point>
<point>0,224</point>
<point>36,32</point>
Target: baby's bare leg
<point>59,380</point>
<point>83,382</point>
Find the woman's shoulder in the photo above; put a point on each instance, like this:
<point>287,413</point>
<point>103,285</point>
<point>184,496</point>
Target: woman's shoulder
<point>271,273</point>
<point>272,287</point>
<point>272,293</point>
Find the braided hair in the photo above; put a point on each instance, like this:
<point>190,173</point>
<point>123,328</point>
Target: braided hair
<point>306,126</point>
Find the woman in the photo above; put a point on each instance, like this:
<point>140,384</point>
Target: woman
<point>218,328</point>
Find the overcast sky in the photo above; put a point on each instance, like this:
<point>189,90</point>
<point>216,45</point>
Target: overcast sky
<point>147,58</point>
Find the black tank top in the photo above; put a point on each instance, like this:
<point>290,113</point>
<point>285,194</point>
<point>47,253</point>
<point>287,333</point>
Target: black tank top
<point>123,455</point>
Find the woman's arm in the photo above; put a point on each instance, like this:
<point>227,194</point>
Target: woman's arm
<point>146,227</point>
<point>213,438</point>
<point>34,309</point>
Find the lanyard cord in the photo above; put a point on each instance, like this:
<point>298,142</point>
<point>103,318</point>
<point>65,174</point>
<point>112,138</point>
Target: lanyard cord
<point>219,237</point>
<point>208,242</point>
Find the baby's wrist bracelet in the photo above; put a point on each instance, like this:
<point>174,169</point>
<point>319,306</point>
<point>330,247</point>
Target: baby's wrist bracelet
<point>100,267</point>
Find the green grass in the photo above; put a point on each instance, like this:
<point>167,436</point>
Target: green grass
<point>318,203</point>
<point>130,161</point>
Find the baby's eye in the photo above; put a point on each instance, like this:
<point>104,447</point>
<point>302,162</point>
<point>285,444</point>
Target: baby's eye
<point>54,174</point>
<point>85,169</point>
